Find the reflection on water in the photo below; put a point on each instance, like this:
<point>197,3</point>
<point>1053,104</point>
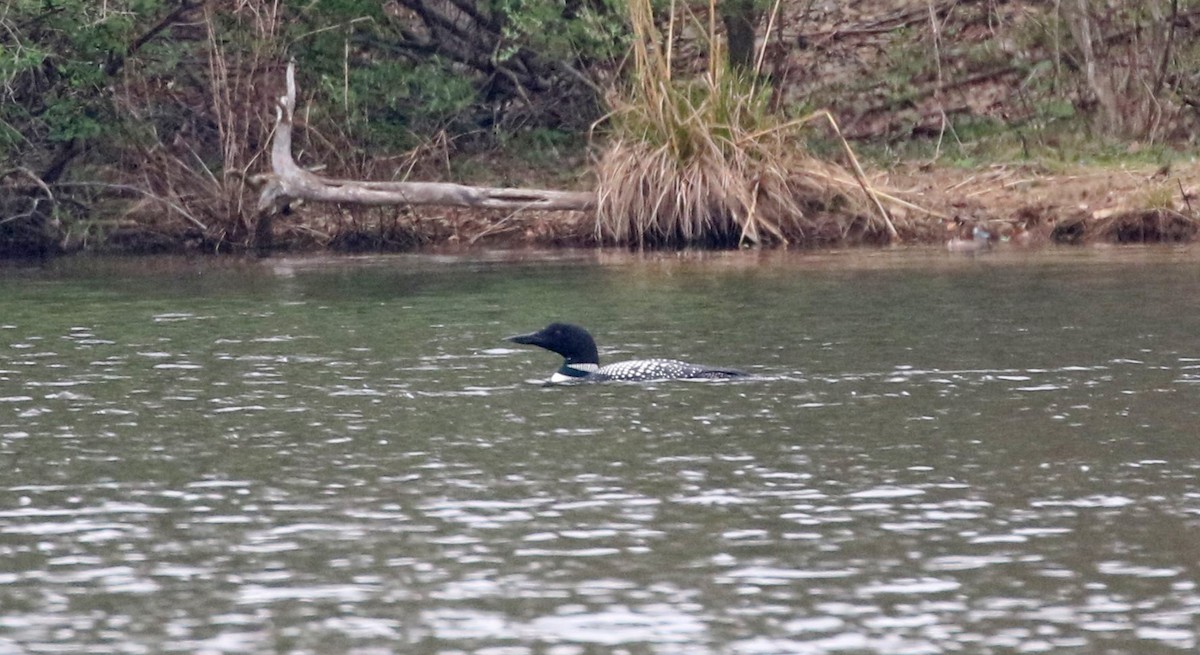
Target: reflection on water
<point>311,456</point>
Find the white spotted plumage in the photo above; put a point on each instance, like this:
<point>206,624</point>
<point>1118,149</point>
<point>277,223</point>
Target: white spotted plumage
<point>649,369</point>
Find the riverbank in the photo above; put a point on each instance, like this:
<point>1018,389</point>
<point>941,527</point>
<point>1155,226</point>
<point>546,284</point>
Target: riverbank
<point>1016,122</point>
<point>1024,204</point>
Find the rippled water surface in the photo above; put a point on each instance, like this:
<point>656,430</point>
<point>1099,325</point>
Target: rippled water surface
<point>938,455</point>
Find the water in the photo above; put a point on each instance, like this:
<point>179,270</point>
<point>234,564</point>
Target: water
<point>939,455</point>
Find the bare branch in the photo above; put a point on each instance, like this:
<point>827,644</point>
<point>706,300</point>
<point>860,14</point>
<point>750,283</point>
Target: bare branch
<point>129,187</point>
<point>290,182</point>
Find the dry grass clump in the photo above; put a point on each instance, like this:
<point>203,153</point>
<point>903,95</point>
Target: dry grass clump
<point>703,161</point>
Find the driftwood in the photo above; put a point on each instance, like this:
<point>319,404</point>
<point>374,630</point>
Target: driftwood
<point>289,182</point>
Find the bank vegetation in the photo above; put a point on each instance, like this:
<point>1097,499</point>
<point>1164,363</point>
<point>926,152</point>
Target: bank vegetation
<point>146,125</point>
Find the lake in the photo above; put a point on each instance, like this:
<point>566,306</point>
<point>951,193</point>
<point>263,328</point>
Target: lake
<point>935,454</point>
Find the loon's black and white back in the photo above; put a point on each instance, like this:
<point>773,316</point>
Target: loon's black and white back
<point>581,361</point>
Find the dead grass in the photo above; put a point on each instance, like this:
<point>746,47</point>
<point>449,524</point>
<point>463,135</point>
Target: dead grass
<point>704,161</point>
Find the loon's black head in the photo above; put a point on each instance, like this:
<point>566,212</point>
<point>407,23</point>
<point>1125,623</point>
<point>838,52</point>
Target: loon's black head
<point>571,341</point>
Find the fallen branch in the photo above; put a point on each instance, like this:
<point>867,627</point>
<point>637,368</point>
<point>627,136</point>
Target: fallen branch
<point>288,182</point>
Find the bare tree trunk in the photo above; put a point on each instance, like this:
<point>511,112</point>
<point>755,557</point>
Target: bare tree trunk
<point>740,17</point>
<point>289,182</point>
<point>1080,24</point>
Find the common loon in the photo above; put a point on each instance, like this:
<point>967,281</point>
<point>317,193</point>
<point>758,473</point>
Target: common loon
<point>581,362</point>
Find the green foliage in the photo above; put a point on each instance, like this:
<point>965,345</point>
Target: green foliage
<point>384,85</point>
<point>390,105</point>
<point>56,60</point>
<point>18,59</point>
<point>70,120</point>
<point>544,148</point>
<point>554,29</point>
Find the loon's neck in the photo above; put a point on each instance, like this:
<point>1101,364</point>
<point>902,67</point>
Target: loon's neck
<point>569,372</point>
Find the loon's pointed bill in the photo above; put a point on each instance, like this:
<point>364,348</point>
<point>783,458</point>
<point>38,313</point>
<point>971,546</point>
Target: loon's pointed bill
<point>527,339</point>
<point>581,362</point>
<point>531,339</point>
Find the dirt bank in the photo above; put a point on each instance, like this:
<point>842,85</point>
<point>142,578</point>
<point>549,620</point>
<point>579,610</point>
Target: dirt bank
<point>1125,204</point>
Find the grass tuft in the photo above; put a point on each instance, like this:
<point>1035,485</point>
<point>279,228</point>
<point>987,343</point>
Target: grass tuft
<point>703,160</point>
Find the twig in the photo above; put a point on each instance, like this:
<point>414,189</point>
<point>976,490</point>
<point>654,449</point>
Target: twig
<point>862,178</point>
<point>116,62</point>
<point>963,183</point>
<point>937,151</point>
<point>31,175</point>
<point>203,166</point>
<point>128,187</point>
<point>762,52</point>
<point>1166,55</point>
<point>327,28</point>
<point>1025,180</point>
<point>493,228</point>
<point>17,217</point>
<point>937,43</point>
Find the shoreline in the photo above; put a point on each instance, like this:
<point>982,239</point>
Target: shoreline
<point>1023,205</point>
<point>929,257</point>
